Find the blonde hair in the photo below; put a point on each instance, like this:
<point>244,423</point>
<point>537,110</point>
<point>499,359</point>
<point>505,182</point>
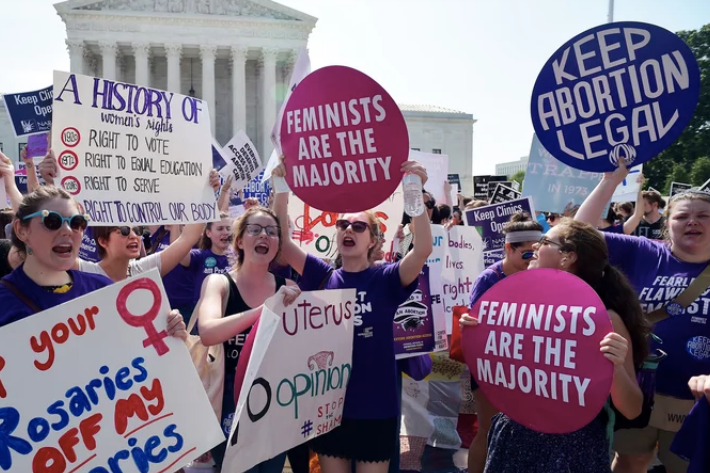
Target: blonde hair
<point>240,227</point>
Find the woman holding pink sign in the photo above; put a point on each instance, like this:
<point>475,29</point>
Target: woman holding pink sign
<point>671,279</point>
<point>579,249</point>
<point>370,418</point>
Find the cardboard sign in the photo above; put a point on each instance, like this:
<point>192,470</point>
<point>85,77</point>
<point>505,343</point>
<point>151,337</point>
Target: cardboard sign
<point>678,187</point>
<point>623,90</point>
<point>536,351</point>
<point>30,112</point>
<point>242,161</point>
<point>463,263</point>
<point>504,194</point>
<point>416,329</point>
<point>314,230</point>
<point>132,155</point>
<point>493,218</point>
<point>552,184</point>
<point>628,190</point>
<point>437,169</point>
<point>435,262</point>
<point>344,145</point>
<point>97,381</point>
<point>294,387</point>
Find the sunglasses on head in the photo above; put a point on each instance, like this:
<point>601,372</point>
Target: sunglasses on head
<point>125,231</point>
<point>54,220</point>
<point>358,226</point>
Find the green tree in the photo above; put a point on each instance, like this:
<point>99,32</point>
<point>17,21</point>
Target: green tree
<point>679,173</point>
<point>700,171</point>
<point>694,142</point>
<point>519,177</point>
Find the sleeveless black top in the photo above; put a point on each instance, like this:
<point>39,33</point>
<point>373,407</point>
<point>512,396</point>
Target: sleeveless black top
<point>235,305</point>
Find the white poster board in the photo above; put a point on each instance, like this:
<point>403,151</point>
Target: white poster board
<point>628,190</point>
<point>243,161</point>
<point>437,169</point>
<point>93,379</point>
<point>294,387</point>
<point>132,155</point>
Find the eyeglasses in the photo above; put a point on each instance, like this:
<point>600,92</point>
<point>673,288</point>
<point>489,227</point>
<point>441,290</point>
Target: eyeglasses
<point>54,220</point>
<point>547,241</point>
<point>254,229</point>
<point>358,226</point>
<point>125,231</point>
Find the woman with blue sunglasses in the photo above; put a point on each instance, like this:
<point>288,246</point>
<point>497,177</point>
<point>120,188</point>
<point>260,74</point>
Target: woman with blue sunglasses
<point>47,229</point>
<point>521,233</point>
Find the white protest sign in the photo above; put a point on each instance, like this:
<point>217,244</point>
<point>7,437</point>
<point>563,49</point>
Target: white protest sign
<point>132,154</point>
<point>315,230</point>
<point>437,169</point>
<point>463,263</point>
<point>97,382</point>
<point>294,387</point>
<point>243,161</point>
<point>628,190</point>
<point>440,242</point>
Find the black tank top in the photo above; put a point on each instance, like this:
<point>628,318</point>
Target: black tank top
<point>235,305</point>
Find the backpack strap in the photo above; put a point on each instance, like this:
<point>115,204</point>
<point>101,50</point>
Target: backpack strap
<point>20,295</point>
<point>684,299</point>
<point>159,235</point>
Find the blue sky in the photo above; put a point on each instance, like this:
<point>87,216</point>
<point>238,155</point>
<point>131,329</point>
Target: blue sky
<point>477,56</point>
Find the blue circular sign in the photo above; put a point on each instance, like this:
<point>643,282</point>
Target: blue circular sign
<point>623,90</point>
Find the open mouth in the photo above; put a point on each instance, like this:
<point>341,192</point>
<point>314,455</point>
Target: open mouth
<point>261,249</point>
<point>63,250</point>
<point>226,239</point>
<point>133,246</point>
<point>347,241</point>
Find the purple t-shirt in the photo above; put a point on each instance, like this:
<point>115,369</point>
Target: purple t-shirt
<point>13,309</point>
<point>372,390</point>
<point>180,282</point>
<point>87,249</point>
<point>485,281</point>
<point>692,442</point>
<point>659,277</point>
<point>618,229</point>
<point>202,264</point>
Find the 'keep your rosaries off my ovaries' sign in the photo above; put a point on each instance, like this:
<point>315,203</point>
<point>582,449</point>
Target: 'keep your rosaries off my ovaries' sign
<point>344,140</point>
<point>536,352</point>
<point>96,385</point>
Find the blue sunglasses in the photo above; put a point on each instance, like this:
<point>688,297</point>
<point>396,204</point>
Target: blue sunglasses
<point>54,220</point>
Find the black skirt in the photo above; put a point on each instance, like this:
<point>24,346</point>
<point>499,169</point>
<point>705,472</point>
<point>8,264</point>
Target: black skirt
<point>364,440</point>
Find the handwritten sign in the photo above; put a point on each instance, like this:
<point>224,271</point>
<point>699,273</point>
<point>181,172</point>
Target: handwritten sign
<point>136,401</point>
<point>623,90</point>
<point>344,145</point>
<point>493,218</point>
<point>294,387</point>
<point>437,169</point>
<point>30,112</point>
<point>131,154</point>
<point>536,352</point>
<point>417,329</point>
<point>314,230</point>
<point>242,161</point>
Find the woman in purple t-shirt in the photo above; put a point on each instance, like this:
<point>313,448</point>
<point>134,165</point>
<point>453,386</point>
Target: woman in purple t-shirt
<point>370,414</point>
<point>520,235</point>
<point>660,272</point>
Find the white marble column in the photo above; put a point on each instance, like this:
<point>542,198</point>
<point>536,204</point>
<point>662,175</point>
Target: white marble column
<point>239,100</point>
<point>76,55</point>
<point>89,67</point>
<point>108,57</point>
<point>208,53</point>
<point>173,52</point>
<point>141,52</point>
<point>268,98</point>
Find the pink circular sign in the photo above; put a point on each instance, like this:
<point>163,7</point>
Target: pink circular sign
<point>536,352</point>
<point>344,140</point>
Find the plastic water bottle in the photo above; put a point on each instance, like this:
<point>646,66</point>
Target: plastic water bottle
<point>413,199</point>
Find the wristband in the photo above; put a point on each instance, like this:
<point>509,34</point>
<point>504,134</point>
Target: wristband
<point>280,185</point>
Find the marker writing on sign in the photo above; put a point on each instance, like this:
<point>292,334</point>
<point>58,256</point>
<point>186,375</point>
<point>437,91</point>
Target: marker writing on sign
<point>155,338</point>
<point>59,334</point>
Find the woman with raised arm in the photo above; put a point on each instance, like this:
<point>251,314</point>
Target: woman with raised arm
<point>578,248</point>
<point>660,272</point>
<point>231,304</point>
<point>371,405</point>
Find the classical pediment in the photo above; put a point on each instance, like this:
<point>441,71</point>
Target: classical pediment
<point>224,8</point>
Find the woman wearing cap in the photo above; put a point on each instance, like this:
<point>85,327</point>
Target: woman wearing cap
<point>520,235</point>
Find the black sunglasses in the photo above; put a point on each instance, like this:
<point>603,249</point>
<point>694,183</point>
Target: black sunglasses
<point>125,231</point>
<point>526,255</point>
<point>54,220</point>
<point>358,226</point>
<point>429,204</point>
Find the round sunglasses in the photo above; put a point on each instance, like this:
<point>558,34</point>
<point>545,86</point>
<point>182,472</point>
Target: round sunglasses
<point>358,226</point>
<point>54,220</point>
<point>125,231</point>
